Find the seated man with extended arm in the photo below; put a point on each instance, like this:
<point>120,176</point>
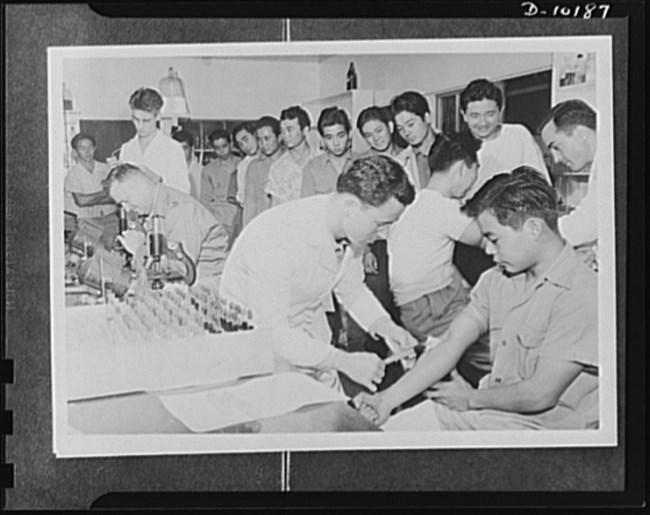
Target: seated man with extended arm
<point>539,305</point>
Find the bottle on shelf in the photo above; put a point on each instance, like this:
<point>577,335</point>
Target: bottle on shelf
<point>351,82</point>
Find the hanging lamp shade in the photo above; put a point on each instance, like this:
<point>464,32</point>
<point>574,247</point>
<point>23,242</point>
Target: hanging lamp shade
<point>173,91</point>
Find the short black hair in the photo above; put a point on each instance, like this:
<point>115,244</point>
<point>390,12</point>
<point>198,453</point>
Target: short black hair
<point>410,101</point>
<point>515,197</point>
<point>448,149</point>
<point>566,115</point>
<point>296,112</point>
<point>146,99</point>
<point>82,135</point>
<point>480,89</point>
<point>184,136</point>
<point>381,114</point>
<point>248,126</point>
<point>268,121</point>
<point>375,180</point>
<point>219,134</point>
<point>333,116</point>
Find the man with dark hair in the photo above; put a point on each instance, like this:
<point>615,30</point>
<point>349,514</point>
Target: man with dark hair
<point>183,219</point>
<point>321,172</point>
<point>505,146</point>
<point>426,285</point>
<point>539,306</point>
<point>256,200</point>
<point>84,180</point>
<point>376,125</point>
<point>150,148</point>
<point>194,168</point>
<point>288,260</point>
<point>569,131</point>
<point>215,179</point>
<point>285,175</point>
<point>244,139</point>
<point>412,117</point>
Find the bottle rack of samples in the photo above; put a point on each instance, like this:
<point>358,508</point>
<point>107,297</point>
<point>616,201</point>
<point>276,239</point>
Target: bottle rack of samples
<point>177,311</point>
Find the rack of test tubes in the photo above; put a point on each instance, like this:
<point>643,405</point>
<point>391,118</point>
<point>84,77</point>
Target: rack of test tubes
<point>177,311</point>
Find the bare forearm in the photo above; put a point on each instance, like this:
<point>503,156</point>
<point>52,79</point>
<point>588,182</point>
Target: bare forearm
<point>92,199</point>
<point>436,363</point>
<point>522,397</point>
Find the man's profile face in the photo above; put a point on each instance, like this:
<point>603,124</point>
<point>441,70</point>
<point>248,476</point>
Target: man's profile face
<point>377,134</point>
<point>511,249</point>
<point>291,133</point>
<point>246,142</point>
<point>568,147</point>
<point>483,117</point>
<point>145,122</point>
<point>85,150</point>
<point>221,147</point>
<point>336,139</point>
<point>362,222</point>
<point>268,141</point>
<point>412,128</point>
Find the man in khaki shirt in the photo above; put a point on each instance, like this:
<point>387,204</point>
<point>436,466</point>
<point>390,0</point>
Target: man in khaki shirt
<point>540,307</point>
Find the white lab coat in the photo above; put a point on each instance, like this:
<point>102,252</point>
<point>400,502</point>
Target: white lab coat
<point>284,266</point>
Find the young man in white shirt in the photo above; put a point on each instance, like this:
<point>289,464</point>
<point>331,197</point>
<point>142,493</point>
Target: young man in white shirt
<point>150,148</point>
<point>427,286</point>
<point>569,131</point>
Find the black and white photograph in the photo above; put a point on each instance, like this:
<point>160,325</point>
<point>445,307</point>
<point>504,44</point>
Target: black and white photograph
<point>391,244</point>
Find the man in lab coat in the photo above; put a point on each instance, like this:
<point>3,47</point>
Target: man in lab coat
<point>150,149</point>
<point>288,260</point>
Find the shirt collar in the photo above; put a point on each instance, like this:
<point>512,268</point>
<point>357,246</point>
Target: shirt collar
<point>562,271</point>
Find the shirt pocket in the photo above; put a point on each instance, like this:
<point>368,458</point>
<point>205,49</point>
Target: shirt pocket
<point>529,340</point>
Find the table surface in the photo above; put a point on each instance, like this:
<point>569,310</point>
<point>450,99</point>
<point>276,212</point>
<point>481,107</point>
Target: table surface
<point>144,413</point>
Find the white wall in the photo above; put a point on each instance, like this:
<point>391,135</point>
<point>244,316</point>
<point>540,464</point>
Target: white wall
<point>216,88</point>
<point>249,88</point>
<point>390,75</point>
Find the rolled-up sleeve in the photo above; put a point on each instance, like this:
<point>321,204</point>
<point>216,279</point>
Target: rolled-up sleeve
<point>355,295</point>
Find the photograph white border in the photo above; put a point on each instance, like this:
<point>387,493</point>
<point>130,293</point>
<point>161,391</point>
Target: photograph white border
<point>73,445</point>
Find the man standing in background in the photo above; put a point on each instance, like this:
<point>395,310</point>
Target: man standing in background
<point>285,176</point>
<point>194,168</point>
<point>216,177</point>
<point>150,148</point>
<point>569,131</point>
<point>84,184</point>
<point>256,199</point>
<point>243,136</point>
<point>321,172</point>
<point>413,123</point>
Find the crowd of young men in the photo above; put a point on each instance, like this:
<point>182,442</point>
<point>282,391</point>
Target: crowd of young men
<point>396,237</point>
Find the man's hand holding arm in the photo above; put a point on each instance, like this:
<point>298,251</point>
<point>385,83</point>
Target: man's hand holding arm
<point>429,369</point>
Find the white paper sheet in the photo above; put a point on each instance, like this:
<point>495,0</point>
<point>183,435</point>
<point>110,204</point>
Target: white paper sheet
<point>421,417</point>
<point>253,400</point>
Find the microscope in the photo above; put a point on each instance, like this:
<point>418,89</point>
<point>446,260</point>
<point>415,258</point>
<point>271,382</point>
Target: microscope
<point>160,248</point>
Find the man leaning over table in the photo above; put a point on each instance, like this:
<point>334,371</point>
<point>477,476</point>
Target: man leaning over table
<point>287,262</point>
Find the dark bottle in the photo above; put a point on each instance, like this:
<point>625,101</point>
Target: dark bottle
<point>351,78</point>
